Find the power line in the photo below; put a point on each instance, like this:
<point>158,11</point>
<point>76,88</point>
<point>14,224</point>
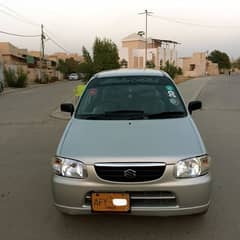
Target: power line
<point>12,13</point>
<point>56,43</point>
<point>193,24</point>
<point>22,18</point>
<point>18,35</point>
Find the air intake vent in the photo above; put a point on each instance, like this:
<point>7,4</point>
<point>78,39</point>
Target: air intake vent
<point>130,172</point>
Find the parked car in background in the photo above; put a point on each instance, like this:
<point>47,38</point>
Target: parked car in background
<point>73,76</point>
<point>131,147</point>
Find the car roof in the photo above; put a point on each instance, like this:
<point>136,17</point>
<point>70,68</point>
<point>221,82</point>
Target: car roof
<point>131,72</point>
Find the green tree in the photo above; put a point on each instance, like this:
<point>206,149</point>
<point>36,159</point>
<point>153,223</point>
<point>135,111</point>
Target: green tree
<point>221,58</point>
<point>171,69</point>
<point>105,57</point>
<point>68,66</point>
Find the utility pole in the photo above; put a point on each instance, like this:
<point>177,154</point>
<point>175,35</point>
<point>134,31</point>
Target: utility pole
<point>42,53</point>
<point>147,13</point>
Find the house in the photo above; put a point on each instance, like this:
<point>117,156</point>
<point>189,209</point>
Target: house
<point>63,56</point>
<point>12,55</point>
<point>159,51</point>
<point>197,65</point>
<point>30,62</point>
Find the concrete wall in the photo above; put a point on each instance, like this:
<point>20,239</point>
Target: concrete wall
<point>197,65</point>
<point>14,58</point>
<point>212,68</point>
<point>153,54</point>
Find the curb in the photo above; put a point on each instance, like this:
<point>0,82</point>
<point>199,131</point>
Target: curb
<point>57,114</point>
<point>199,91</point>
<point>18,90</point>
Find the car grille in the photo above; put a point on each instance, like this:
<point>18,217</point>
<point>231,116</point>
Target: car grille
<point>146,199</point>
<point>130,172</point>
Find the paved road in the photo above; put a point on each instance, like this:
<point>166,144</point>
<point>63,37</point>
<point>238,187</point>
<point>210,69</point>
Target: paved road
<point>28,139</point>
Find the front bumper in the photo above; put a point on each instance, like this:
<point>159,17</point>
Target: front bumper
<point>192,195</point>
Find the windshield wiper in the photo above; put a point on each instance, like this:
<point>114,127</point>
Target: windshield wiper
<point>92,116</point>
<point>125,112</point>
<point>166,115</point>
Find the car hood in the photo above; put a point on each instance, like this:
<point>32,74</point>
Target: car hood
<point>158,140</point>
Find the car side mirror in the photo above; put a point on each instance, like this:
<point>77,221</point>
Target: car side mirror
<point>67,107</point>
<point>194,105</point>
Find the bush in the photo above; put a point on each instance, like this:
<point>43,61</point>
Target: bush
<point>13,79</point>
<point>150,64</point>
<point>179,71</point>
<point>53,79</point>
<point>21,79</point>
<point>10,77</point>
<point>172,70</point>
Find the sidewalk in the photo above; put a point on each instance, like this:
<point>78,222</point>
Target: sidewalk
<point>9,90</point>
<point>190,90</point>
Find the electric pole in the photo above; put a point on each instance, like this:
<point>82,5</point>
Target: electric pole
<point>146,29</point>
<point>42,53</point>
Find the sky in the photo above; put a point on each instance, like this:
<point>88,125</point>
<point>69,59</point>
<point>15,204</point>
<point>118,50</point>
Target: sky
<point>208,24</point>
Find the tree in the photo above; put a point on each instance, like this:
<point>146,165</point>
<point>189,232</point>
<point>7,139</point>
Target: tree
<point>68,66</point>
<point>221,58</point>
<point>171,69</point>
<point>105,57</point>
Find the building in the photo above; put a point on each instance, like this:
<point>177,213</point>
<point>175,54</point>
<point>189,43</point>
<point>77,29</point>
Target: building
<point>30,62</point>
<point>197,65</point>
<point>159,51</point>
<point>12,55</point>
<point>63,56</point>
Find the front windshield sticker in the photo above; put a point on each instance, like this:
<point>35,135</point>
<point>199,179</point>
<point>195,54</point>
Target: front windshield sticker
<point>172,94</point>
<point>92,91</point>
<point>169,88</point>
<point>173,101</point>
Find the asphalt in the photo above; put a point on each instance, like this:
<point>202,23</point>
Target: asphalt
<point>29,137</point>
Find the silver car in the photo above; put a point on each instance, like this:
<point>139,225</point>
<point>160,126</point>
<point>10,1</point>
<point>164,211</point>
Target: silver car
<point>73,76</point>
<point>131,147</point>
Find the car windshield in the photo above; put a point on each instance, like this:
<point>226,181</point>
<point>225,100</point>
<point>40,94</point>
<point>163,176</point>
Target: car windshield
<point>135,97</point>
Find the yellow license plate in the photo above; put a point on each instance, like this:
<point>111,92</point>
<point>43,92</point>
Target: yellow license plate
<point>110,202</point>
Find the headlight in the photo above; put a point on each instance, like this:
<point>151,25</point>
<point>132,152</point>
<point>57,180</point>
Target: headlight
<point>68,168</point>
<point>193,167</point>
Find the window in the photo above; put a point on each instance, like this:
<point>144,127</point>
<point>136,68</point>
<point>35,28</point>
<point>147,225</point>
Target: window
<point>140,94</point>
<point>192,67</point>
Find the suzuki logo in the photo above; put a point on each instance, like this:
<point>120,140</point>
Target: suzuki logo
<point>130,173</point>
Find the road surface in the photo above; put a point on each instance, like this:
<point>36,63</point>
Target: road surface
<point>28,140</point>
